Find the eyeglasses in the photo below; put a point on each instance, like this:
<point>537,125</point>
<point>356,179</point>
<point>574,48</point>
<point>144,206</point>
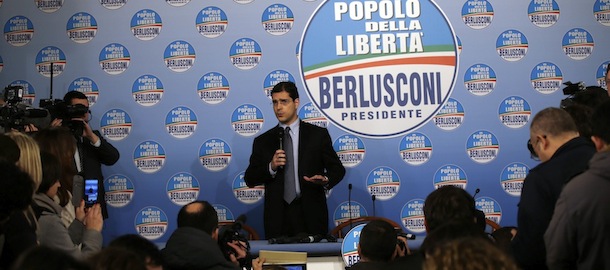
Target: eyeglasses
<point>533,154</point>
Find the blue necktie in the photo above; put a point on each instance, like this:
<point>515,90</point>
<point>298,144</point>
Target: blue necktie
<point>290,191</point>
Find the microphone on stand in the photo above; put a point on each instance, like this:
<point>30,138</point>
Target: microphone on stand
<point>280,135</point>
<point>349,204</point>
<point>479,215</point>
<point>373,198</point>
<point>476,191</point>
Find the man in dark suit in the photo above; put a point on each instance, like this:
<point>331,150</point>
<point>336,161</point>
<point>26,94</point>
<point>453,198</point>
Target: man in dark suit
<point>92,149</point>
<point>296,165</point>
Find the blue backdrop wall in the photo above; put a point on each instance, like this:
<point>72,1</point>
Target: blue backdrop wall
<point>181,87</point>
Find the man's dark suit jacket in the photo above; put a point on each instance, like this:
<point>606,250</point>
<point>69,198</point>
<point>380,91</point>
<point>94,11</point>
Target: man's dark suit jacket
<point>316,157</point>
<point>92,160</point>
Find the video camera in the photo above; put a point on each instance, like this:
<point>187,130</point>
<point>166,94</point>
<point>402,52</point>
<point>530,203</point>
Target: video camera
<point>15,114</point>
<point>66,112</point>
<point>229,234</point>
<point>579,93</point>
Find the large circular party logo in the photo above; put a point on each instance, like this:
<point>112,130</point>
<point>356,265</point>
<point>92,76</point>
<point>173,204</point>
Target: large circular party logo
<point>412,216</point>
<point>543,13</point>
<point>213,88</point>
<point>151,222</point>
<point>514,112</point>
<point>119,190</point>
<point>179,56</point>
<point>81,27</point>
<point>480,79</point>
<point>349,246</point>
<point>477,14</point>
<point>115,124</point>
<point>350,150</point>
<point>86,86</point>
<point>18,31</point>
<point>601,11</point>
<point>114,59</point>
<point>383,183</point>
<point>245,53</point>
<point>277,19</point>
<point>247,120</point>
<point>215,154</point>
<point>181,122</point>
<point>149,157</point>
<point>546,78</point>
<point>578,44</point>
<point>512,45</point>
<point>147,90</point>
<point>368,68</point>
<point>146,24</point>
<point>482,146</point>
<point>182,188</point>
<point>451,116</point>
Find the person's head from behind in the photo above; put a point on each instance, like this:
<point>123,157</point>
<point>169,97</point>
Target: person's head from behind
<point>51,172</point>
<point>468,254</point>
<point>29,160</point>
<point>600,127</point>
<point>285,99</point>
<point>16,189</point>
<point>44,257</point>
<point>377,242</point>
<point>115,258</point>
<point>450,231</point>
<point>200,215</point>
<point>549,130</point>
<point>581,115</point>
<point>9,150</point>
<point>146,250</point>
<point>448,203</point>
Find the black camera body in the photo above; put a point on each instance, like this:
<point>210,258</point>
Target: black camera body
<point>15,114</point>
<point>231,233</point>
<point>66,112</point>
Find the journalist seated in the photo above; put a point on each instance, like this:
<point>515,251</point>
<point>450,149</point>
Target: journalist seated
<point>194,245</point>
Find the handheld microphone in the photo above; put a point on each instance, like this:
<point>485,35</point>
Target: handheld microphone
<point>312,239</point>
<point>349,204</point>
<point>373,198</point>
<point>280,135</point>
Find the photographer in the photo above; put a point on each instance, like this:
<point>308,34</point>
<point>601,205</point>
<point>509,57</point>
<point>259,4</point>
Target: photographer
<point>92,149</point>
<point>194,244</point>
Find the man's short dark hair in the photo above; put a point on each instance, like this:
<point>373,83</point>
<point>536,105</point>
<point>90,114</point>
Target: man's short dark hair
<point>72,95</point>
<point>200,215</point>
<point>378,241</point>
<point>142,247</point>
<point>17,189</point>
<point>600,122</point>
<point>448,203</point>
<point>553,121</point>
<point>287,86</point>
<point>9,150</point>
<point>451,230</point>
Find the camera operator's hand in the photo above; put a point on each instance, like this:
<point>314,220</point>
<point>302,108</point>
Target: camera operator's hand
<point>402,249</point>
<point>87,131</point>
<point>257,264</point>
<point>240,251</point>
<point>56,122</point>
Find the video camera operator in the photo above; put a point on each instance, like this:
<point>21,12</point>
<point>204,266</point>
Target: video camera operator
<point>18,116</point>
<point>194,245</point>
<point>92,149</point>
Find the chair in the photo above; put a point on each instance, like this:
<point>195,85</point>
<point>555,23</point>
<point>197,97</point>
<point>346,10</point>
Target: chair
<point>493,225</point>
<point>339,230</point>
<point>250,234</point>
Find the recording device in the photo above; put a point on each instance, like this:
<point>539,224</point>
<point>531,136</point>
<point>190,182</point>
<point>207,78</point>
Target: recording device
<point>229,234</point>
<point>579,93</point>
<point>91,194</point>
<point>78,190</point>
<point>373,199</point>
<point>66,112</point>
<point>15,114</point>
<point>407,236</point>
<point>281,137</point>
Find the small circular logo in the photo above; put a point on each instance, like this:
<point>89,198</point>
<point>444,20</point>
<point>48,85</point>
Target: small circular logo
<point>310,114</point>
<point>181,122</point>
<point>490,207</point>
<point>179,56</point>
<point>86,86</point>
<point>275,77</point>
<point>115,124</point>
<point>149,157</point>
<point>412,216</point>
<point>177,3</point>
<point>546,78</point>
<point>450,175</point>
<point>213,88</point>
<point>119,190</point>
<point>480,79</point>
<point>543,13</point>
<point>512,177</point>
<point>211,22</point>
<point>350,150</point>
<point>415,148</point>
<point>182,188</point>
<point>383,182</point>
<point>451,116</point>
<point>514,112</point>
<point>578,44</point>
<point>114,59</point>
<point>247,120</point>
<point>147,90</point>
<point>512,45</point>
<point>81,27</point>
<point>215,155</point>
<point>151,222</point>
<point>146,24</point>
<point>49,6</point>
<point>245,53</point>
<point>477,14</point>
<point>277,19</point>
<point>482,146</point>
<point>246,194</point>
<point>348,210</point>
<point>601,11</point>
<point>113,4</point>
<point>50,60</point>
<point>18,31</point>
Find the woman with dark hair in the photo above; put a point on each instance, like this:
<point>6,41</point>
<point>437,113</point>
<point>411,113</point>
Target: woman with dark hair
<point>60,142</point>
<point>84,236</point>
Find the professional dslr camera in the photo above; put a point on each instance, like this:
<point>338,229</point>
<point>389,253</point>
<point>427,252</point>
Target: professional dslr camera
<point>15,114</point>
<point>66,112</point>
<point>228,234</point>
